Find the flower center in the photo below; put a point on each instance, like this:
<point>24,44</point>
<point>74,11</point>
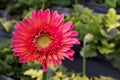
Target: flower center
<point>43,41</point>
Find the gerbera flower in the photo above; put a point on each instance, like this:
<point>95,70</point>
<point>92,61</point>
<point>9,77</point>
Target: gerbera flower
<point>44,38</point>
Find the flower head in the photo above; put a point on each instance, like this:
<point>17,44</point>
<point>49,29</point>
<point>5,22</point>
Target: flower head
<point>44,38</point>
<point>88,37</point>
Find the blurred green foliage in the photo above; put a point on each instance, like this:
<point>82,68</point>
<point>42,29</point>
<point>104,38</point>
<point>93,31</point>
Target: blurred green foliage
<point>107,3</point>
<point>9,64</point>
<point>58,73</point>
<point>20,8</point>
<point>104,27</point>
<point>61,2</point>
<point>7,60</point>
<point>111,3</point>
<point>7,24</point>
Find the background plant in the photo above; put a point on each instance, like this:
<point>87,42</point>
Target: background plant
<point>106,3</point>
<point>7,25</point>
<point>61,73</point>
<point>104,27</point>
<point>18,8</point>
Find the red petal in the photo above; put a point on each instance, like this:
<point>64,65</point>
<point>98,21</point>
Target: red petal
<point>20,49</point>
<point>53,17</point>
<point>59,20</point>
<point>17,44</point>
<point>46,16</point>
<point>67,26</point>
<point>40,16</point>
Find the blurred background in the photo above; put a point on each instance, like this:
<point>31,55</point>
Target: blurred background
<point>101,18</point>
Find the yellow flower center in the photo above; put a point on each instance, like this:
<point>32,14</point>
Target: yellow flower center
<point>43,41</point>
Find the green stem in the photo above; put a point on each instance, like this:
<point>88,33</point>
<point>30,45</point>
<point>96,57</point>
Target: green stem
<point>44,75</point>
<point>76,1</point>
<point>84,66</point>
<point>84,60</point>
<point>43,4</point>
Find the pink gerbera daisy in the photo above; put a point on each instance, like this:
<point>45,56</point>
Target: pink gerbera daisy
<point>44,38</point>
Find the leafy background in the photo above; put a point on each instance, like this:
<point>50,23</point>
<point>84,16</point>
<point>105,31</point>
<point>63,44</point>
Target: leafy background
<point>104,27</point>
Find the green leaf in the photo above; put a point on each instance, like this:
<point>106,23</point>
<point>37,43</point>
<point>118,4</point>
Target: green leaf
<point>7,25</point>
<point>113,26</point>
<point>81,8</point>
<point>104,78</point>
<point>115,59</point>
<point>9,58</point>
<point>61,2</point>
<point>88,51</point>
<point>106,47</point>
<point>34,64</point>
<point>5,43</point>
<point>105,50</point>
<point>111,34</point>
<point>111,3</point>
<point>85,78</point>
<point>108,44</point>
<point>34,73</point>
<point>111,17</point>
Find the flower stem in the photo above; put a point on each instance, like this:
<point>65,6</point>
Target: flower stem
<point>84,65</point>
<point>44,75</point>
<point>84,60</point>
<point>43,4</point>
<point>76,1</point>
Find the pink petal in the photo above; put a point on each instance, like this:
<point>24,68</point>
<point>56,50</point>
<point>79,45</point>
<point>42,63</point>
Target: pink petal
<point>49,57</point>
<point>21,49</point>
<point>16,54</point>
<point>40,16</point>
<point>70,52</point>
<point>17,45</point>
<point>74,34</point>
<point>67,26</point>
<point>53,17</point>
<point>67,34</point>
<point>55,62</point>
<point>71,41</point>
<point>60,55</point>
<point>20,27</point>
<point>45,67</point>
<point>54,57</point>
<point>59,61</point>
<point>22,60</point>
<point>66,55</point>
<point>18,35</point>
<point>71,34</point>
<point>17,39</point>
<point>46,16</point>
<point>27,24</point>
<point>30,58</point>
<point>59,20</point>
<point>34,16</point>
<point>66,40</point>
<point>30,22</point>
<point>64,49</point>
<point>71,58</point>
